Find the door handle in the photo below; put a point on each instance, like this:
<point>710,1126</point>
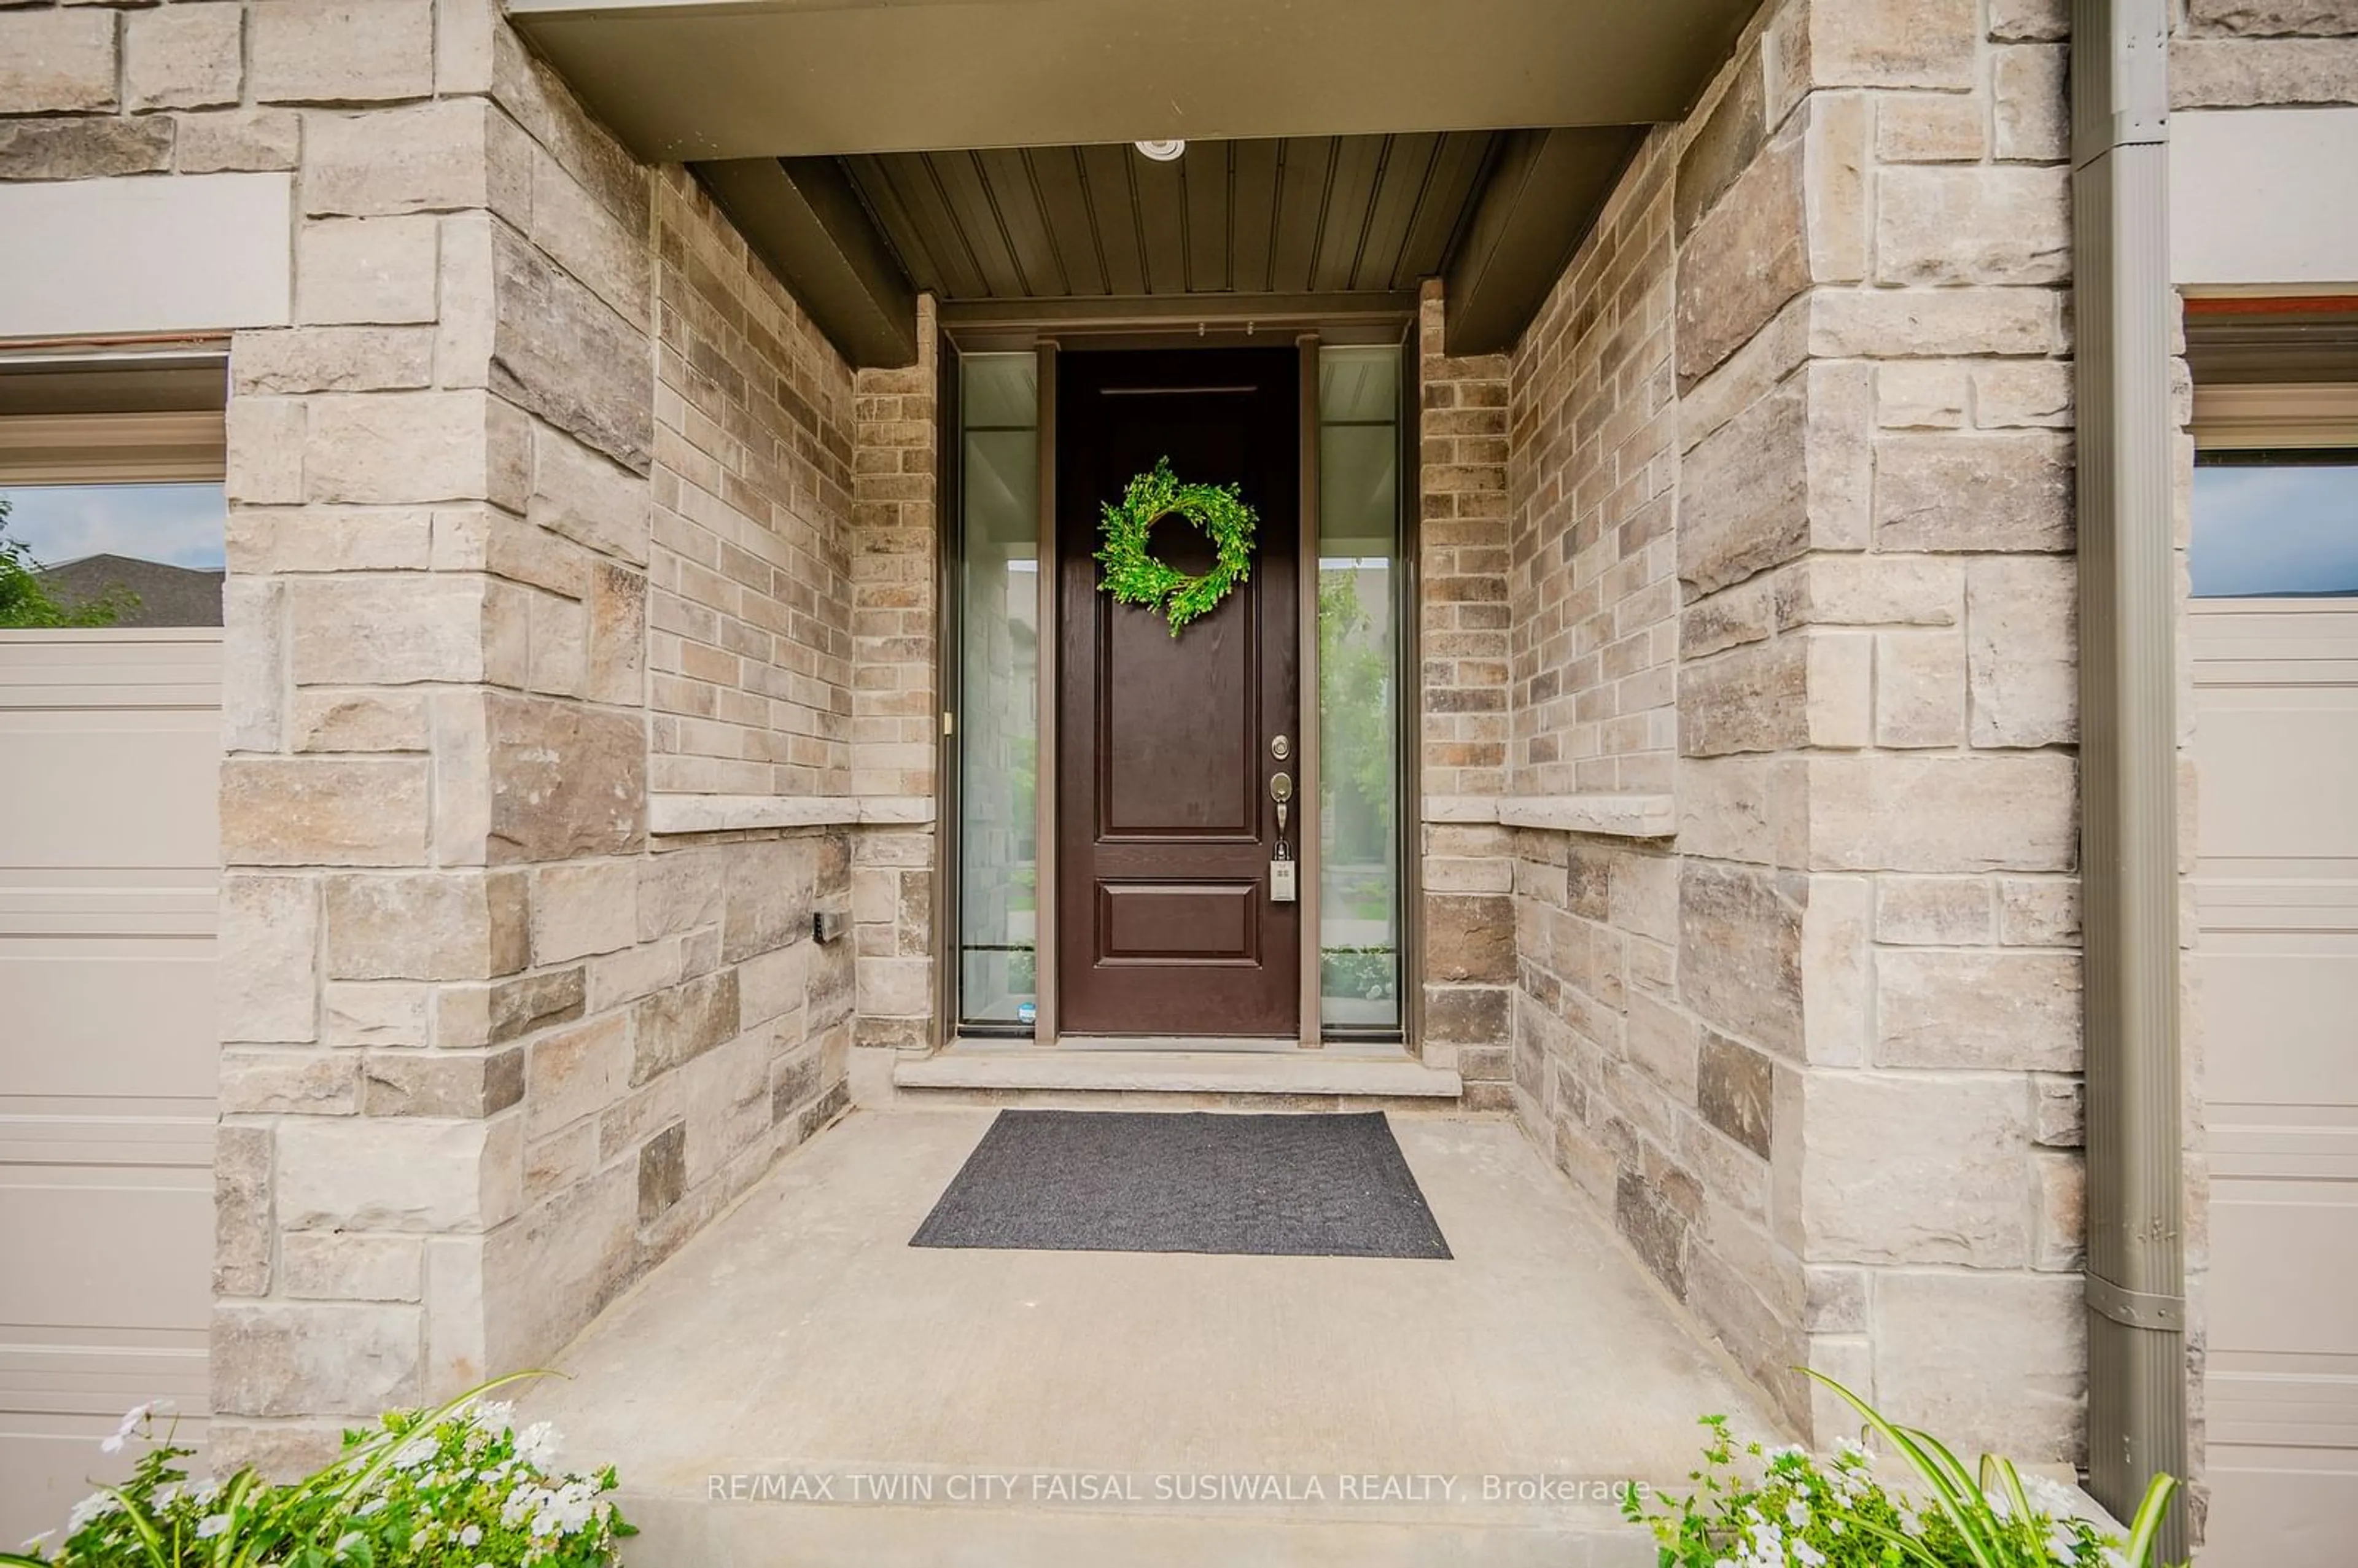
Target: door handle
<point>1281,870</point>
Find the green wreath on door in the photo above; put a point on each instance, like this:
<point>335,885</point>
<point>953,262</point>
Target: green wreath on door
<point>1134,577</point>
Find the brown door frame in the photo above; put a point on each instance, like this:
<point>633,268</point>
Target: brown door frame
<point>1045,338</point>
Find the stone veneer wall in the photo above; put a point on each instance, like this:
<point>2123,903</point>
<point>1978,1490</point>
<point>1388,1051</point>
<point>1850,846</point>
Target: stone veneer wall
<point>1819,1052</point>
<point>545,502</point>
<point>1468,958</point>
<point>2237,54</point>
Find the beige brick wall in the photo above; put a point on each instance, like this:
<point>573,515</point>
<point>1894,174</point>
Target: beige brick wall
<point>1462,563</point>
<point>896,712</point>
<point>1591,471</point>
<point>749,576</point>
<point>1462,646</point>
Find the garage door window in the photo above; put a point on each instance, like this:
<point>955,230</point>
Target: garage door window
<point>2276,491</point>
<point>112,520</point>
<point>2273,523</point>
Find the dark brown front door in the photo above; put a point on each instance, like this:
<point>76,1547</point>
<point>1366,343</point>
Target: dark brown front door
<point>1165,825</point>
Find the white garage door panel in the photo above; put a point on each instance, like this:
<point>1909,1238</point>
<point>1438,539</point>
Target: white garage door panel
<point>114,797</point>
<point>2253,807</point>
<point>2294,1499</point>
<point>109,768</point>
<point>2258,1227</point>
<point>2275,1003</point>
<point>79,1030</point>
<point>142,1247</point>
<point>2307,1000</point>
<point>2269,1404</point>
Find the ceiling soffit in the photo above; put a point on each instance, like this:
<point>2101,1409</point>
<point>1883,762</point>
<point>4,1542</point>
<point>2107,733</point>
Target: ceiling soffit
<point>1296,228</point>
<point>1295,215</point>
<point>708,79</point>
<point>1338,151</point>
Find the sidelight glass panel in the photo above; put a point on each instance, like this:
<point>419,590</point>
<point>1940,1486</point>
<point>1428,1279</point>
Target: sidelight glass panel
<point>1358,690</point>
<point>998,711</point>
<point>2276,524</point>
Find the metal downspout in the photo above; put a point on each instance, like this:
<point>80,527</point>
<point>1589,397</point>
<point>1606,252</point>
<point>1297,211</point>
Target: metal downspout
<point>2128,677</point>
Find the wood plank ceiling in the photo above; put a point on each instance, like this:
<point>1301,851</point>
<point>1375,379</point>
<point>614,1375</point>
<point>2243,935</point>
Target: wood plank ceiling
<point>1355,214</point>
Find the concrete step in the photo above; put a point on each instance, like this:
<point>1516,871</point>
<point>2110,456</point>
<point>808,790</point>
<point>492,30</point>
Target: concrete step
<point>1148,1074</point>
<point>680,1532</point>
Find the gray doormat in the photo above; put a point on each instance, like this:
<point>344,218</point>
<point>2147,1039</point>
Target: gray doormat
<point>1112,1180</point>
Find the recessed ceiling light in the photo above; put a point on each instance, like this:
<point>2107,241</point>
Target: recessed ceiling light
<point>1162,152</point>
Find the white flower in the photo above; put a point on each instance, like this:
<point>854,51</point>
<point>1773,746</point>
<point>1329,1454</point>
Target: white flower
<point>414,1453</point>
<point>34,1543</point>
<point>471,1536</point>
<point>536,1446</point>
<point>346,1541</point>
<point>499,1415</point>
<point>92,1506</point>
<point>565,1510</point>
<point>1797,1514</point>
<point>1808,1556</point>
<point>211,1525</point>
<point>129,1424</point>
<point>370,1507</point>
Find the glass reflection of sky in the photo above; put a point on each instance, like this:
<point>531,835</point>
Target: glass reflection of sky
<point>2269,524</point>
<point>180,524</point>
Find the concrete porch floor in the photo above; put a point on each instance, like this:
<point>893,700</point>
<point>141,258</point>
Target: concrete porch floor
<point>800,1335</point>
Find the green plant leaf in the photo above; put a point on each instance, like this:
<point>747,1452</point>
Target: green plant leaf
<point>1940,1470</point>
<point>1134,577</point>
<point>2147,1523</point>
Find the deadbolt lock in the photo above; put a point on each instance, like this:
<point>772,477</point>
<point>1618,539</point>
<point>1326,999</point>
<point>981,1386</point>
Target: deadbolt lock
<point>1281,748</point>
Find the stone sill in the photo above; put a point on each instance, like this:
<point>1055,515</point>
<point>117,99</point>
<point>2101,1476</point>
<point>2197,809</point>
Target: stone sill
<point>1615,815</point>
<point>677,814</point>
<point>976,1064</point>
